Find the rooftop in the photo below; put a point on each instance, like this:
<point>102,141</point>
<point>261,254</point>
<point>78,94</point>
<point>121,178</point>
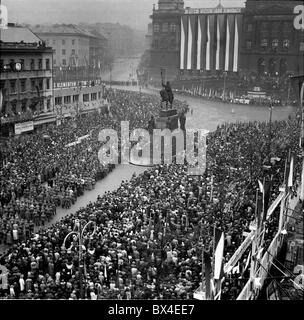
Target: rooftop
<point>70,29</point>
<point>17,34</point>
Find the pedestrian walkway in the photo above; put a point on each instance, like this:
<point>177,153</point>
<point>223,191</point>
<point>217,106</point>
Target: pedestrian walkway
<point>110,183</point>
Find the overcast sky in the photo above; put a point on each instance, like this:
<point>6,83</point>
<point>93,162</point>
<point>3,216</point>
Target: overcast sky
<point>134,13</point>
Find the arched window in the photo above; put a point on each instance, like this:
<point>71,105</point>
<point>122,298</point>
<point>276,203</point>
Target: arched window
<point>286,43</point>
<point>275,43</point>
<point>173,27</point>
<point>156,27</point>
<point>261,66</point>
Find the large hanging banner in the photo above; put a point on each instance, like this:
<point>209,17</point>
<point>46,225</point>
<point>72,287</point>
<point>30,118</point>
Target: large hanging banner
<point>24,127</point>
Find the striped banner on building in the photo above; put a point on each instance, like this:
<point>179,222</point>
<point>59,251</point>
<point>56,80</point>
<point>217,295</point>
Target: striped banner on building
<point>222,30</point>
<point>210,42</point>
<point>199,44</point>
<point>238,25</point>
<point>203,26</point>
<point>184,42</point>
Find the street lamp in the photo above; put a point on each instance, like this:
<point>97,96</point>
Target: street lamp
<point>270,123</point>
<point>79,232</point>
<point>224,90</point>
<point>110,75</point>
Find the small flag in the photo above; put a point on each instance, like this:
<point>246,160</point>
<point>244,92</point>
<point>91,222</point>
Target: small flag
<point>105,272</point>
<point>208,268</point>
<point>1,100</point>
<point>218,255</point>
<point>236,269</point>
<point>290,178</point>
<point>247,262</point>
<point>261,186</point>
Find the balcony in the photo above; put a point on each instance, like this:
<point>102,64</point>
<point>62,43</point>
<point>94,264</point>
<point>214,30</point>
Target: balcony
<point>10,75</point>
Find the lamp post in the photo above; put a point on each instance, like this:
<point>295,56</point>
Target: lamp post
<point>224,90</point>
<point>110,75</point>
<point>79,231</point>
<point>270,123</point>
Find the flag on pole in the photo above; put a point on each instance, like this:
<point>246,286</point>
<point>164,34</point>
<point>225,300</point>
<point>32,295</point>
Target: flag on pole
<point>236,269</point>
<point>267,192</point>
<point>105,272</point>
<point>208,269</point>
<point>247,262</point>
<point>1,100</point>
<point>290,178</point>
<point>261,186</point>
<point>218,254</point>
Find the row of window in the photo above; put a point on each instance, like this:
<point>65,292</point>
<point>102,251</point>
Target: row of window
<point>165,27</point>
<point>32,106</point>
<point>274,43</point>
<point>273,26</point>
<point>63,52</point>
<point>27,84</point>
<point>164,44</point>
<point>51,42</point>
<point>29,64</point>
<point>86,97</point>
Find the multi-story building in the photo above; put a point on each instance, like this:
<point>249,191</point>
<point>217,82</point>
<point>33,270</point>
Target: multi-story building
<point>257,39</point>
<point>165,48</point>
<point>26,82</point>
<point>271,45</point>
<point>73,46</point>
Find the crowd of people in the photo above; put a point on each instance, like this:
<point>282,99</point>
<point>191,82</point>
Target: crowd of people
<point>149,232</point>
<point>46,170</point>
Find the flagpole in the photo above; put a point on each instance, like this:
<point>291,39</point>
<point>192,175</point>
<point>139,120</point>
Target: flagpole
<point>302,138</point>
<point>254,243</point>
<point>203,267</point>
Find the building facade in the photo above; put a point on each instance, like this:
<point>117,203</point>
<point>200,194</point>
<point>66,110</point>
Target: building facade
<point>210,40</point>
<point>165,48</point>
<point>271,46</point>
<point>73,46</point>
<point>257,39</point>
<point>28,88</point>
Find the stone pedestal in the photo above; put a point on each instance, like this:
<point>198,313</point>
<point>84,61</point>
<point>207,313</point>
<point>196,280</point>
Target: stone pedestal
<point>167,119</point>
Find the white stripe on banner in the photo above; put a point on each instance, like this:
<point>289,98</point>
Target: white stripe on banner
<point>218,257</point>
<point>189,54</point>
<point>236,47</point>
<point>199,44</point>
<point>208,45</point>
<point>1,99</point>
<point>218,44</point>
<point>227,47</point>
<point>182,50</point>
<point>290,178</point>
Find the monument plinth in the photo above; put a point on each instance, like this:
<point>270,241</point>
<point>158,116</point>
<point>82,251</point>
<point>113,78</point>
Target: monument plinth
<point>168,119</point>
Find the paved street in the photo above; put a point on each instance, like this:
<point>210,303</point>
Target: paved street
<point>121,69</point>
<point>209,114</point>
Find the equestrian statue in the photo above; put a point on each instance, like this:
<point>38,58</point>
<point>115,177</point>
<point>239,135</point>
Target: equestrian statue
<point>166,93</point>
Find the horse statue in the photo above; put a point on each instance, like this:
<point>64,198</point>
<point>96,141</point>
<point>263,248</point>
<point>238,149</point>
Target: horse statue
<point>166,94</point>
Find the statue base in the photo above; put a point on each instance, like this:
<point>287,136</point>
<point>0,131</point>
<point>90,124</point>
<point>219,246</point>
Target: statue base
<point>168,119</point>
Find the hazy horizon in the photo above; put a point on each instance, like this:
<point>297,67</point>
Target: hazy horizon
<point>134,13</point>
